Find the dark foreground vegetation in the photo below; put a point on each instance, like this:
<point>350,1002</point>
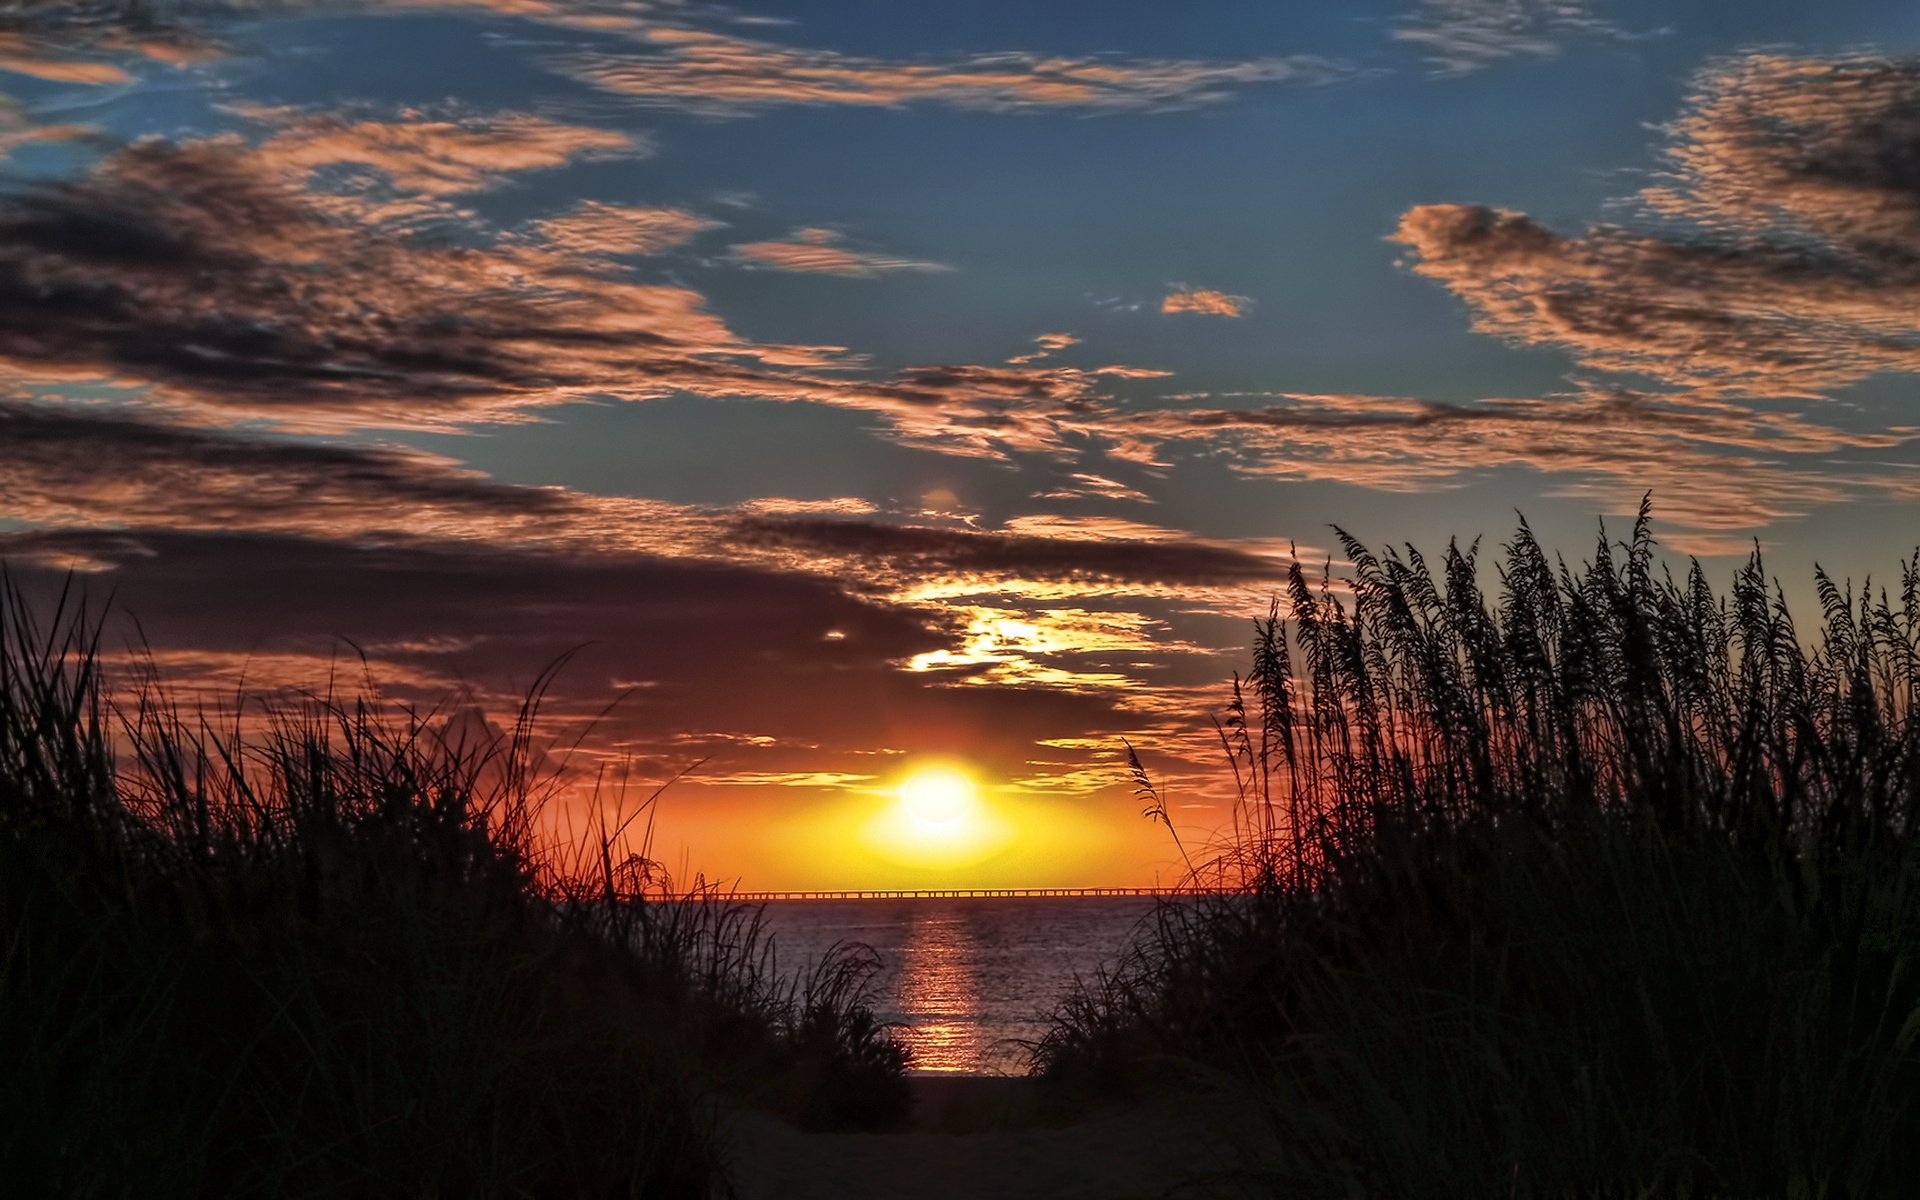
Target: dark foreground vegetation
<point>322,949</point>
<point>1601,885</point>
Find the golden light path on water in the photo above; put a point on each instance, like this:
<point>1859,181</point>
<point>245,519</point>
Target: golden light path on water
<point>939,818</point>
<point>939,984</point>
<point>965,982</point>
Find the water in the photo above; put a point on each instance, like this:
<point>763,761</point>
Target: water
<point>967,977</point>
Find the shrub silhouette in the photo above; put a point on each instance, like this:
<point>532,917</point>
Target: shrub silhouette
<point>1601,884</point>
<point>321,949</point>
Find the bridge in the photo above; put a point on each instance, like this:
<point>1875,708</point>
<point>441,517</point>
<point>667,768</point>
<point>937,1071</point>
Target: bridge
<point>977,893</point>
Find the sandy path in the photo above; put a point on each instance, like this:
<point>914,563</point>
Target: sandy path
<point>978,1137</point>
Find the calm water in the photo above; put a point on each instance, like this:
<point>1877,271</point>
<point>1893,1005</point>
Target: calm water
<point>965,976</point>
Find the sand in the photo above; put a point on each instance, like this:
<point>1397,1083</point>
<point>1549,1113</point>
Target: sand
<point>979,1136</point>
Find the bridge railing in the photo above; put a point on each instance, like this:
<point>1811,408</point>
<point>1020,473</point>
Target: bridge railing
<point>970,893</point>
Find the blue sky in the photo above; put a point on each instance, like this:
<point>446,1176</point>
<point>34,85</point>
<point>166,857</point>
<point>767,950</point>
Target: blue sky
<point>955,378</point>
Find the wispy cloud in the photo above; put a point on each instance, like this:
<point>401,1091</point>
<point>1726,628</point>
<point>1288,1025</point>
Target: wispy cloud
<point>823,251</point>
<point>200,268</point>
<point>1719,468</point>
<point>1460,37</point>
<point>24,56</point>
<point>1205,302</point>
<point>63,466</point>
<point>1045,346</point>
<point>1783,257</point>
<point>1084,485</point>
<point>222,280</point>
<point>669,54</point>
<point>434,157</point>
<point>438,573</point>
<point>96,42</point>
<point>723,74</point>
<point>593,230</point>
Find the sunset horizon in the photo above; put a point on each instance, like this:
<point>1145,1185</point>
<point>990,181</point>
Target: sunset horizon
<point>540,481</point>
<point>818,472</point>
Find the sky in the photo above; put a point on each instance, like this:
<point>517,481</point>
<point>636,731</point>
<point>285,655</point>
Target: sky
<point>853,388</point>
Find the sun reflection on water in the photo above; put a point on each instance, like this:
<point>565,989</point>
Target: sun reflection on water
<point>966,983</point>
<point>937,992</point>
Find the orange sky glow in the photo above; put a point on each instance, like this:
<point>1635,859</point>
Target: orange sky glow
<point>846,398</point>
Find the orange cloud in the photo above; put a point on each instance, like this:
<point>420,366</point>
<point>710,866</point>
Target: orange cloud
<point>593,230</point>
<point>190,292</point>
<point>25,57</point>
<point>1080,485</point>
<point>438,573</point>
<point>435,158</point>
<point>91,43</point>
<point>1206,302</point>
<point>1045,346</point>
<point>1718,468</point>
<point>674,64</point>
<point>1782,260</point>
<point>820,251</point>
<point>724,74</point>
<point>66,468</point>
<point>62,467</point>
<point>168,265</point>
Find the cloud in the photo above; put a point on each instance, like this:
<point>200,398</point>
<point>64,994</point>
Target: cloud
<point>496,616</point>
<point>665,60</point>
<point>196,268</point>
<point>1081,485</point>
<point>1206,302</point>
<point>726,75</point>
<point>62,467</point>
<point>1781,259</point>
<point>841,506</point>
<point>1716,467</point>
<point>434,157</point>
<point>821,251</point>
<point>232,291</point>
<point>99,471</point>
<point>18,129</point>
<point>988,411</point>
<point>1104,564</point>
<point>1460,37</point>
<point>94,42</point>
<point>593,230</point>
<point>1823,147</point>
<point>439,574</point>
<point>1045,346</point>
<point>23,56</point>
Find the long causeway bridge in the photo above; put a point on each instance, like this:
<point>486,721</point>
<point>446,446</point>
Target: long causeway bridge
<point>977,893</point>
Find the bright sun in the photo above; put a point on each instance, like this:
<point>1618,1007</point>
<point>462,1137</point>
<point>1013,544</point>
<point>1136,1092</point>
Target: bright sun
<point>937,817</point>
<point>938,796</point>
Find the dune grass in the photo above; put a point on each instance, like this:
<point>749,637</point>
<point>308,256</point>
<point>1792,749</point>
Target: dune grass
<point>1599,885</point>
<point>323,950</point>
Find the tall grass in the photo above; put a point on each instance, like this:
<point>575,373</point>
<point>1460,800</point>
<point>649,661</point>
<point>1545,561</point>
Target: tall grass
<point>1599,884</point>
<point>323,950</point>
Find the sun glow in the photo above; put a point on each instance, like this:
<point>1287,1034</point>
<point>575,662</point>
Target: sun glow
<point>939,797</point>
<point>937,818</point>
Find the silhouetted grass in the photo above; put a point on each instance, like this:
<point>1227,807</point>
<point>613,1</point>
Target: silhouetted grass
<point>1603,884</point>
<point>324,952</point>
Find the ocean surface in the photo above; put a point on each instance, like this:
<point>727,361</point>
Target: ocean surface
<point>966,978</point>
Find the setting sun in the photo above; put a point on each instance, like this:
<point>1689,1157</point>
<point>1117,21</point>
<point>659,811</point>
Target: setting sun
<point>941,797</point>
<point>938,817</point>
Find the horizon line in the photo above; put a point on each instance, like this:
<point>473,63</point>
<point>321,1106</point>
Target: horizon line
<point>968,893</point>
